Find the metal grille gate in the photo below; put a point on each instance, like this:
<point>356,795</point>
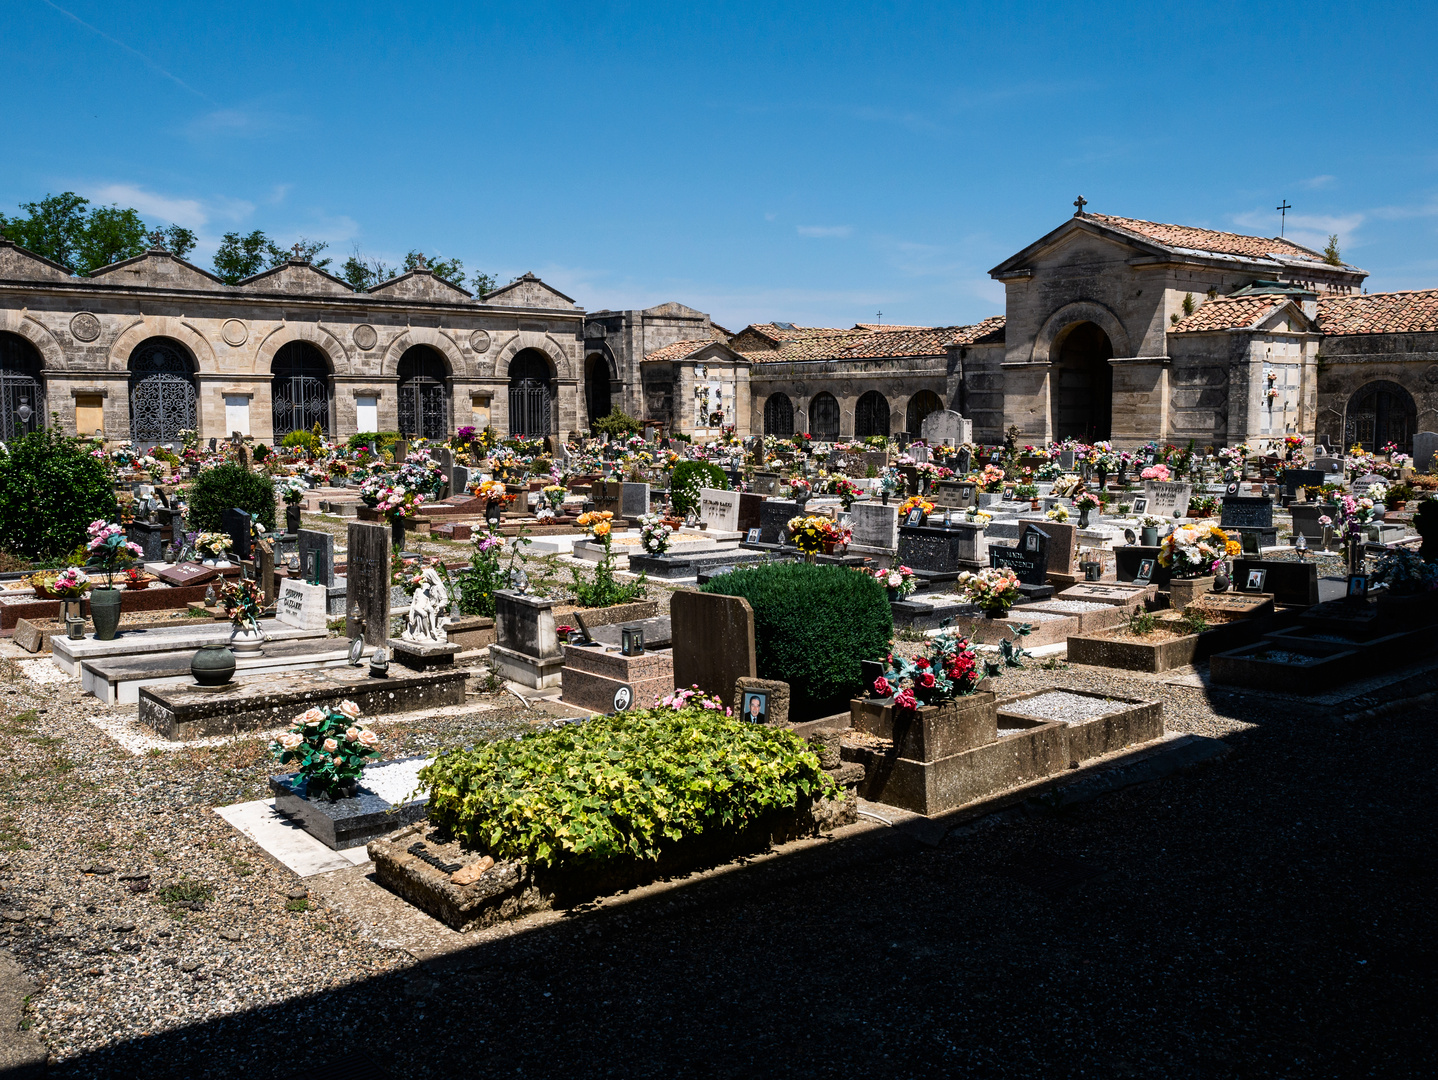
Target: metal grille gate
<point>300,392</point>
<point>162,394</point>
<point>423,395</point>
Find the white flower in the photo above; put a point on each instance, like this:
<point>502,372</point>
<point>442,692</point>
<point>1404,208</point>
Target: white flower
<point>351,734</point>
<point>331,745</point>
<point>350,710</point>
<point>895,580</point>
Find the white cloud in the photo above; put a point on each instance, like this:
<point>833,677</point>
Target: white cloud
<point>825,231</point>
<point>190,213</point>
<point>1262,222</point>
<point>1313,183</point>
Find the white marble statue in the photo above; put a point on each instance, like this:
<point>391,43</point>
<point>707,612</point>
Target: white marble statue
<point>428,612</point>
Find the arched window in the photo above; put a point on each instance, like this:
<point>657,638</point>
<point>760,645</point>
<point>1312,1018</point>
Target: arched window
<point>300,391</point>
<point>779,415</point>
<point>1380,413</point>
<point>871,415</point>
<point>529,393</point>
<point>920,405</point>
<point>162,391</point>
<point>22,394</point>
<point>824,417</point>
<point>596,387</point>
<point>423,393</point>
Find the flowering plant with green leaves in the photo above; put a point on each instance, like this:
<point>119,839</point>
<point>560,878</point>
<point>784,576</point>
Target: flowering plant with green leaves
<point>329,747</point>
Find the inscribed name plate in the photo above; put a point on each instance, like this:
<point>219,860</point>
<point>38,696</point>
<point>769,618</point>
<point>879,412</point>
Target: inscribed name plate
<point>719,509</point>
<point>874,525</point>
<point>301,606</point>
<point>1243,512</point>
<point>1167,498</point>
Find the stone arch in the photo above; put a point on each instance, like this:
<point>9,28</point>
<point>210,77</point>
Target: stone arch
<point>437,340</point>
<point>871,415</point>
<point>311,333</point>
<point>533,339</point>
<point>150,326</point>
<point>599,378</point>
<point>1380,412</point>
<point>52,353</point>
<point>22,386</point>
<point>1069,316</point>
<point>824,417</point>
<point>778,415</point>
<point>920,405</point>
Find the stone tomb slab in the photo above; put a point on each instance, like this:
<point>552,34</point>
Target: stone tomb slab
<point>1232,605</point>
<point>1119,594</point>
<point>302,606</point>
<point>603,680</point>
<point>187,573</point>
<point>70,654</point>
<point>367,582</point>
<point>713,641</point>
<point>774,518</point>
<point>719,509</point>
<point>353,822</point>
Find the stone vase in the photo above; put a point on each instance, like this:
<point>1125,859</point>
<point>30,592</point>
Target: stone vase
<point>105,613</point>
<point>1148,536</point>
<point>213,665</point>
<point>1083,517</point>
<point>491,513</point>
<point>246,642</point>
<point>1184,591</point>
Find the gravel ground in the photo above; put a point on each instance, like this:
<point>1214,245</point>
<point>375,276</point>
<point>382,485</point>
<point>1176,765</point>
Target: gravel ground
<point>1266,916</point>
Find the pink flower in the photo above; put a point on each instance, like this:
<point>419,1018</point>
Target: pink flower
<point>350,710</point>
<point>310,718</point>
<point>290,740</point>
<point>882,687</point>
<point>331,745</point>
<point>368,738</point>
<point>351,734</point>
<point>905,699</point>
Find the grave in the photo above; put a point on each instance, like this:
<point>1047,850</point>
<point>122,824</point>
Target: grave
<point>713,641</point>
<point>1425,446</point>
<point>316,552</point>
<point>602,679</point>
<point>634,501</point>
<point>1061,549</point>
<point>301,605</point>
<point>351,822</point>
<point>368,582</point>
<point>1294,479</point>
<point>1250,515</point>
<point>939,553</point>
<point>750,511</point>
<point>236,524</point>
<point>955,494</point>
<point>1294,583</point>
<point>1363,483</point>
<point>1167,499</point>
<point>765,484</point>
<point>719,509</point>
<point>691,565</point>
<point>945,427</point>
<point>70,653</point>
<point>607,496</point>
<point>1129,558</point>
<point>1110,592</point>
<point>875,528</point>
<point>774,517</point>
<point>526,648</point>
<point>187,573</point>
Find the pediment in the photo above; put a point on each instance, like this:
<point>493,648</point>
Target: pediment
<point>1288,316</point>
<point>674,310</point>
<point>299,278</point>
<point>421,285</point>
<point>21,264</point>
<point>158,270</point>
<point>529,291</point>
<point>1077,239</point>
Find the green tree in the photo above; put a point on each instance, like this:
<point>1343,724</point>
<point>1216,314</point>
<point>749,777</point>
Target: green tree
<point>54,227</point>
<point>239,257</point>
<point>363,272</point>
<point>111,235</point>
<point>1330,253</point>
<point>484,283</point>
<point>451,270</point>
<point>50,490</point>
<point>64,229</point>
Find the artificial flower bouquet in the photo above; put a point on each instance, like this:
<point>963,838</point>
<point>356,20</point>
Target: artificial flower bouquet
<point>1058,513</point>
<point>110,550</point>
<point>213,545</point>
<point>399,502</point>
<point>598,524</point>
<point>847,491</point>
<point>292,491</point>
<point>243,603</point>
<point>992,478</point>
<point>554,495</point>
<point>654,533</point>
<point>1087,500</point>
<point>979,517</point>
<point>811,532</point>
<point>915,502</point>
<point>800,487</point>
<point>994,589</point>
<point>900,579</point>
<point>948,668</point>
<point>491,491</point>
<point>1193,551</point>
<point>1156,472</point>
<point>68,584</point>
<point>329,748</point>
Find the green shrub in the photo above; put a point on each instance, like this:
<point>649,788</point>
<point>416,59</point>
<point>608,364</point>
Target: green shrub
<point>383,440</point>
<point>230,487</point>
<point>301,440</point>
<point>688,477</point>
<point>261,452</point>
<point>617,425</point>
<point>812,626</point>
<point>619,787</point>
<point>50,490</point>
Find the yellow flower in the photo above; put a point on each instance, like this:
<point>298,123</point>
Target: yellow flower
<point>602,528</point>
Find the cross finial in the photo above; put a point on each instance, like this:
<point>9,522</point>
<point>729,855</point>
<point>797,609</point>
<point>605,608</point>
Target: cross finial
<point>298,250</point>
<point>157,241</point>
<point>879,317</point>
<point>419,263</point>
<point>1080,202</point>
<point>1282,209</point>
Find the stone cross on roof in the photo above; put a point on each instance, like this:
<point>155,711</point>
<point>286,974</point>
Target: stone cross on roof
<point>1080,202</point>
<point>419,263</point>
<point>298,250</point>
<point>157,240</point>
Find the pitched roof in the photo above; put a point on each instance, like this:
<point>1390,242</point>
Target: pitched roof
<point>1411,311</point>
<point>988,332</point>
<point>677,350</point>
<point>890,342</point>
<point>887,326</point>
<point>1195,239</point>
<point>1228,313</point>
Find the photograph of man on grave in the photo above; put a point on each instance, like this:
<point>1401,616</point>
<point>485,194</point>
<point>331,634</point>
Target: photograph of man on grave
<point>757,708</point>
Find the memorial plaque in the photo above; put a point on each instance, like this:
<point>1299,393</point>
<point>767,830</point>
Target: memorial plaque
<point>1294,479</point>
<point>1243,512</point>
<point>774,516</point>
<point>1062,544</point>
<point>317,556</point>
<point>719,510</point>
<point>1030,566</point>
<point>939,551</point>
<point>187,573</point>
<point>634,501</point>
<point>236,525</point>
<point>1363,483</point>
<point>1166,498</point>
<point>302,605</point>
<point>955,494</point>
<point>875,525</point>
<point>749,510</point>
<point>368,582</point>
<point>765,483</point>
<point>608,496</point>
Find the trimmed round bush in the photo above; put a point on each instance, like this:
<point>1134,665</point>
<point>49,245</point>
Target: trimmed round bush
<point>812,626</point>
<point>681,481</point>
<point>50,490</point>
<point>230,487</point>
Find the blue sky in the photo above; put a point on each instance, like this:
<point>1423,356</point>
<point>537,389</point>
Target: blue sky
<point>816,163</point>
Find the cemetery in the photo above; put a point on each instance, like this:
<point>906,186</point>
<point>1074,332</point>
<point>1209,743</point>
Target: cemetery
<point>508,678</point>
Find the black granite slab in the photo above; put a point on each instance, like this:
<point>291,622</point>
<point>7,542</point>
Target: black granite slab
<point>344,823</point>
<point>657,633</point>
<point>687,566</point>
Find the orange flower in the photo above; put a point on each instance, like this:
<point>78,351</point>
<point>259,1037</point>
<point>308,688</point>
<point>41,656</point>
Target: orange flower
<point>602,528</point>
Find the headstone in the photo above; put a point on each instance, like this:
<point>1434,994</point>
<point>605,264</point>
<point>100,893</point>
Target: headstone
<point>526,647</point>
<point>750,510</point>
<point>1066,460</point>
<point>1061,546</point>
<point>765,483</point>
<point>1330,466</point>
<point>318,549</point>
<point>459,481</point>
<point>939,551</point>
<point>946,427</point>
<point>302,606</point>
<point>1425,446</point>
<point>236,524</point>
<point>634,501</point>
<point>713,641</point>
<point>445,456</point>
<point>1294,479</point>
<point>265,572</point>
<point>874,525</point>
<point>955,494</point>
<point>368,580</point>
<point>608,496</point>
<point>774,515</point>
<point>919,453</point>
<point>719,510</point>
<point>1363,483</point>
<point>1245,512</point>
<point>1167,498</point>
<point>1288,582</point>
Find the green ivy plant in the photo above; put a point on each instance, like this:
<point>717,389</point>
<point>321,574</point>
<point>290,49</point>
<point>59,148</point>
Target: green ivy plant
<point>619,787</point>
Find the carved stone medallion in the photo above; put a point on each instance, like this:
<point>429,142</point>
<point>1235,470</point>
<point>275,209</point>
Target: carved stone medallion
<point>1431,374</point>
<point>234,332</point>
<point>85,327</point>
<point>364,336</point>
<point>479,341</point>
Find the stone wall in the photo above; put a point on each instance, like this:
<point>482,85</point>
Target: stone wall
<point>1347,364</point>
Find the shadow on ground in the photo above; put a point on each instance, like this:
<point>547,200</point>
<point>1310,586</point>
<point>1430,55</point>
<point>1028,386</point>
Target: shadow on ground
<point>1269,916</point>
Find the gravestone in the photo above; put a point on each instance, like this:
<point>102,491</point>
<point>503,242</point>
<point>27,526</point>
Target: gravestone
<point>1288,582</point>
<point>939,552</point>
<point>302,606</point>
<point>526,648</point>
<point>236,525</point>
<point>919,453</point>
<point>608,496</point>
<point>774,516</point>
<point>1425,446</point>
<point>719,510</point>
<point>946,427</point>
<point>1031,567</point>
<point>955,494</point>
<point>1167,498</point>
<point>1306,515</point>
<point>1245,512</point>
<point>319,546</point>
<point>1363,483</point>
<point>765,483</point>
<point>368,578</point>
<point>445,456</point>
<point>634,501</point>
<point>750,511</point>
<point>265,572</point>
<point>1066,460</point>
<point>1294,479</point>
<point>713,641</point>
<point>875,526</point>
<point>1061,546</point>
<point>459,480</point>
<point>1329,466</point>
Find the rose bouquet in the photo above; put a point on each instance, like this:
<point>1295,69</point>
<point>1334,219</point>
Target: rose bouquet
<point>399,502</point>
<point>897,579</point>
<point>1155,472</point>
<point>654,533</point>
<point>948,669</point>
<point>992,478</point>
<point>491,491</point>
<point>847,491</point>
<point>110,550</point>
<point>329,748</point>
<point>597,523</point>
<point>1192,551</point>
<point>1086,500</point>
<point>213,545</point>
<point>68,584</point>
<point>800,487</point>
<point>993,589</point>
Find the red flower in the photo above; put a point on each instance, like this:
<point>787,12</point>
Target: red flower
<point>904,699</point>
<point>921,662</point>
<point>926,680</point>
<point>882,687</point>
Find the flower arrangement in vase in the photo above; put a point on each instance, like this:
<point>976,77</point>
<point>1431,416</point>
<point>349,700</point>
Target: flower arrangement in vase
<point>992,478</point>
<point>898,580</point>
<point>847,491</point>
<point>810,533</point>
<point>1156,472</point>
<point>243,604</point>
<point>1193,551</point>
<point>1086,502</point>
<point>329,748</point>
<point>948,668</point>
<point>654,533</point>
<point>994,589</point>
<point>214,548</point>
<point>915,502</point>
<point>598,524</point>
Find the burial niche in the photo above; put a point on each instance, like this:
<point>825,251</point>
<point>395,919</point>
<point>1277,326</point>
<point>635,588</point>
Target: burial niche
<point>779,415</point>
<point>529,394</point>
<point>871,415</point>
<point>824,417</point>
<point>920,405</point>
<point>596,387</point>
<point>1380,413</point>
<point>423,393</point>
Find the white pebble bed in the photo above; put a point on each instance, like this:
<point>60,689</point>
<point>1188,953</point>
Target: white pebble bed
<point>1072,605</point>
<point>393,780</point>
<point>1062,705</point>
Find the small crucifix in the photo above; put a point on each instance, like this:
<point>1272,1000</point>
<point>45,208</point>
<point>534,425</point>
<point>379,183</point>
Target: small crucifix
<point>1080,202</point>
<point>419,263</point>
<point>299,251</point>
<point>879,317</point>
<point>1282,209</point>
<point>157,241</point>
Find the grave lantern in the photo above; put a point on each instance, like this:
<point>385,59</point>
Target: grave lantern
<point>631,640</point>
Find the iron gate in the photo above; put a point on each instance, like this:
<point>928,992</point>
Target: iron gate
<point>300,392</point>
<point>22,405</point>
<point>162,394</point>
<point>423,394</point>
<point>528,408</point>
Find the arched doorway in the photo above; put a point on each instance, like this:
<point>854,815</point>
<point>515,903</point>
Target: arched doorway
<point>596,387</point>
<point>871,415</point>
<point>824,417</point>
<point>779,416</point>
<point>162,391</point>
<point>1082,382</point>
<point>529,394</point>
<point>1380,413</point>
<point>423,393</point>
<point>920,405</point>
<point>22,393</point>
<point>300,392</point>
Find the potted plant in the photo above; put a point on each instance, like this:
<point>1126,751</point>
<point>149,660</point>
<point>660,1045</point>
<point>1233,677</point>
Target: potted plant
<point>897,581</point>
<point>1148,530</point>
<point>994,589</point>
<point>110,551</point>
<point>213,548</point>
<point>292,491</point>
<point>136,579</point>
<point>330,750</point>
<point>243,606</point>
<point>1194,555</point>
<point>1086,502</point>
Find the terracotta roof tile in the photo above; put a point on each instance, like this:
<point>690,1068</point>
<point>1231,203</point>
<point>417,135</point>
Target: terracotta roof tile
<point>1227,313</point>
<point>1412,311</point>
<point>887,326</point>
<point>1223,243</point>
<point>879,344</point>
<point>677,350</point>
